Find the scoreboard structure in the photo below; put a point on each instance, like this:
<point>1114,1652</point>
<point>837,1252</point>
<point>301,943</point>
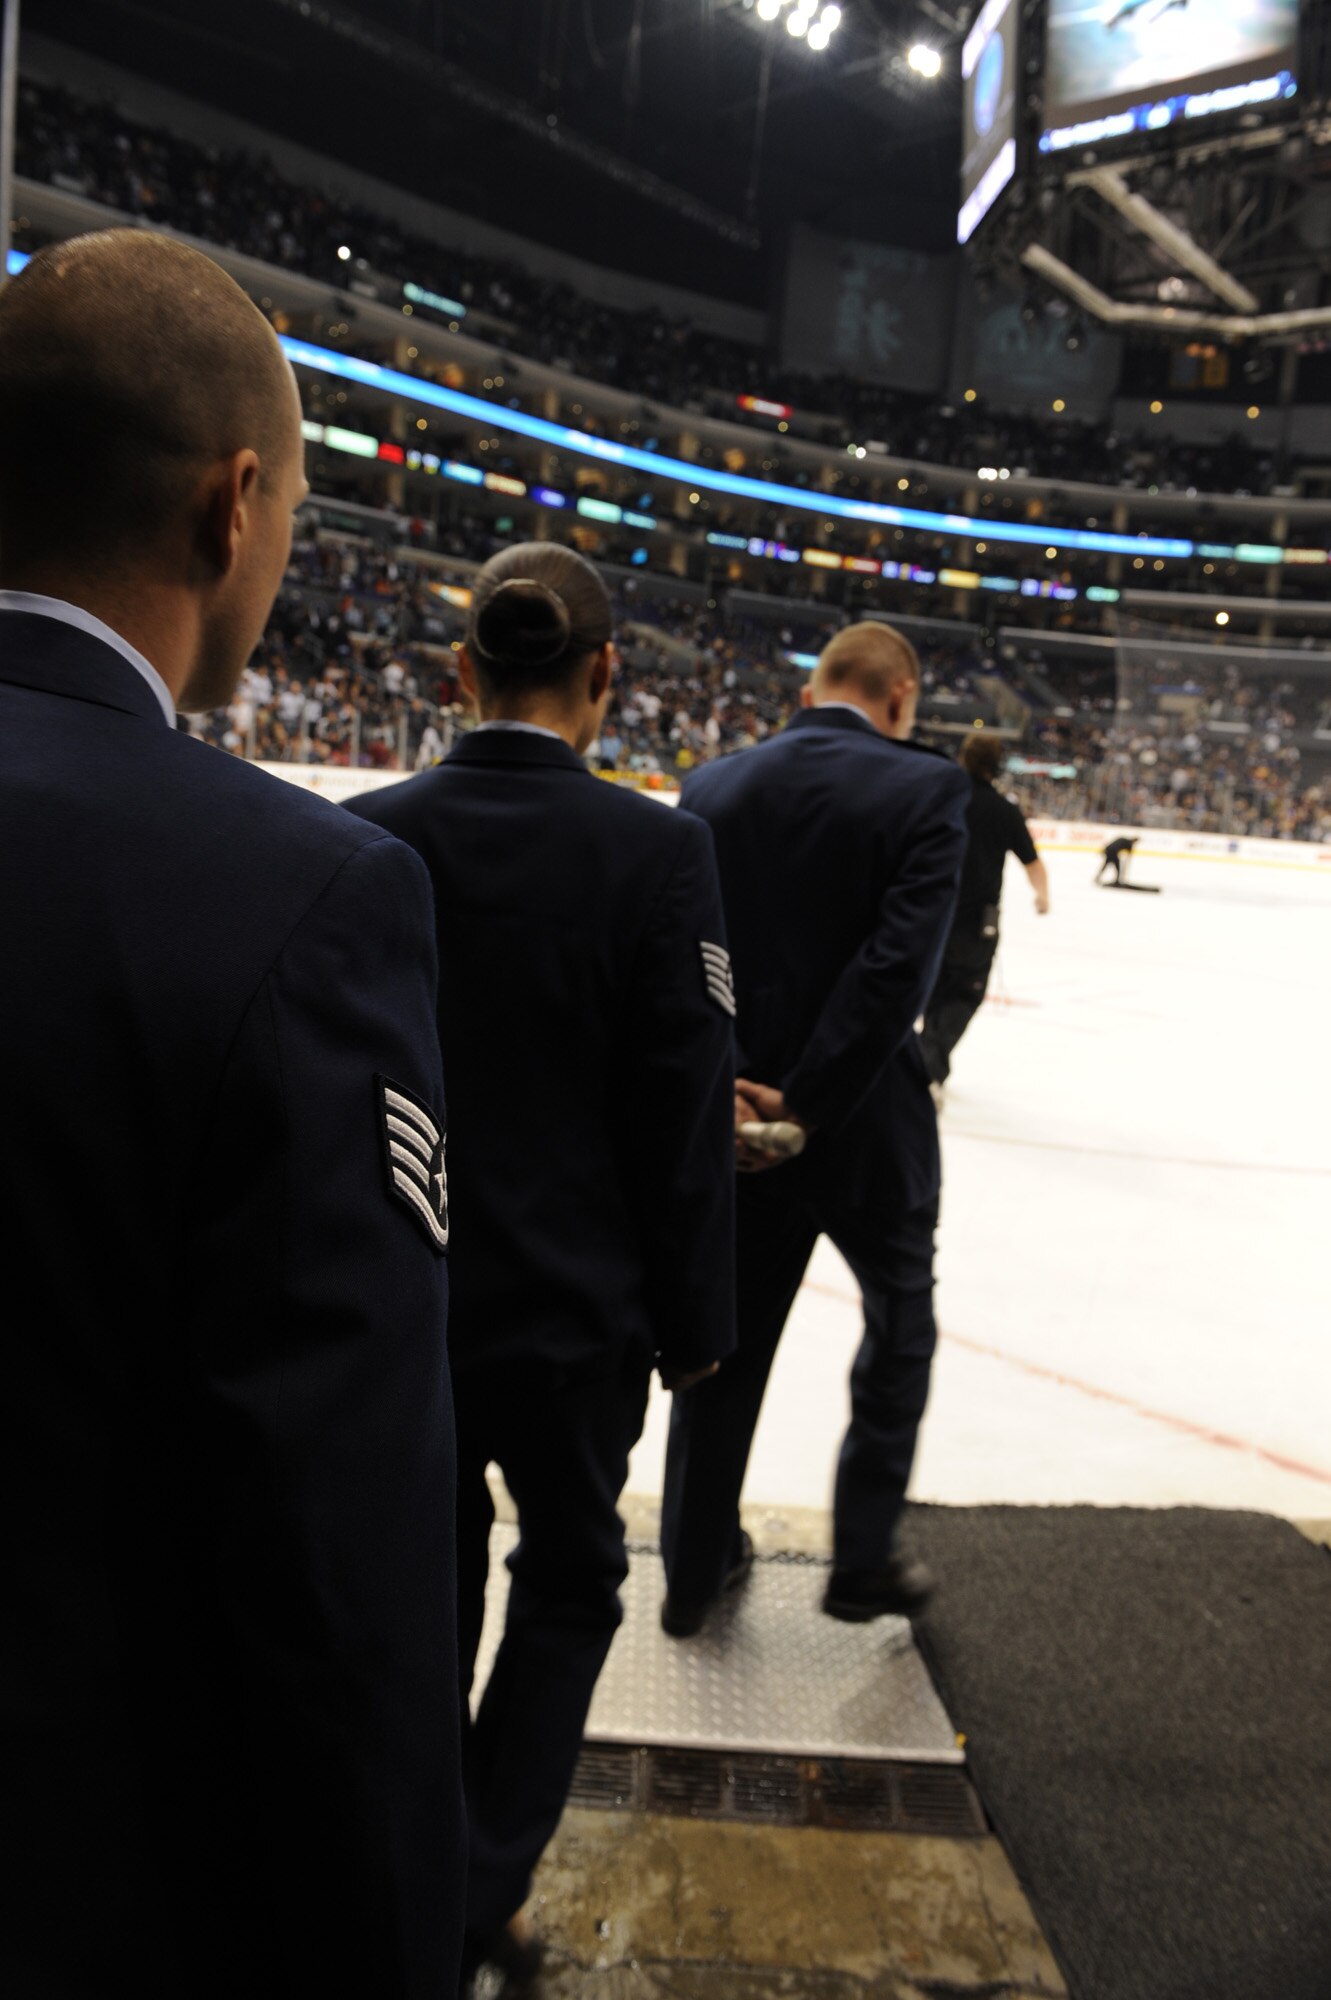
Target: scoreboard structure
<point>1097,72</point>
<point>1114,68</point>
<point>991,83</point>
<point>1079,116</point>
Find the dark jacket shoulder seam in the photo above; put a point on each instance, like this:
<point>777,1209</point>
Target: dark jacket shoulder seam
<point>261,984</point>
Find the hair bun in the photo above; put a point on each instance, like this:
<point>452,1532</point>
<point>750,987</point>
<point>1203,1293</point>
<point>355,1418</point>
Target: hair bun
<point>522,624</point>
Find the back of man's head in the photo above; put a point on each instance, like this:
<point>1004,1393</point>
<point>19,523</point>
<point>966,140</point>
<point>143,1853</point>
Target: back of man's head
<point>983,754</point>
<point>128,362</point>
<point>874,668</point>
<point>135,378</point>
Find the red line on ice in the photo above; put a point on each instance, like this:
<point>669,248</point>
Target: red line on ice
<point>1183,1425</point>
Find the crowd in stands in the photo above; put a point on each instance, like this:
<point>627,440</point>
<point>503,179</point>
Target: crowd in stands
<point>358,668</point>
<point>935,432</point>
<point>240,200</point>
<point>1174,775</point>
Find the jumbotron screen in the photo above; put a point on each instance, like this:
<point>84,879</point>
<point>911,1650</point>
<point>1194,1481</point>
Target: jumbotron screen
<point>989,79</point>
<point>1113,67</point>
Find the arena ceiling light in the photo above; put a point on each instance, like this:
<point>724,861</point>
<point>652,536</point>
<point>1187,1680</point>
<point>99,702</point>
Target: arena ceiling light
<point>805,20</point>
<point>924,60</point>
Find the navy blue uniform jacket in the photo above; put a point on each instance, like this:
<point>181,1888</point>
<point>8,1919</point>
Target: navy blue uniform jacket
<point>588,1059</point>
<point>840,852</point>
<point>228,1707</point>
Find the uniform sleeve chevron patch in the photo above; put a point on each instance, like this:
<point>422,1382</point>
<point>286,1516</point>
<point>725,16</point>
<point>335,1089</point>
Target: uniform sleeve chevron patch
<point>414,1158</point>
<point>717,975</point>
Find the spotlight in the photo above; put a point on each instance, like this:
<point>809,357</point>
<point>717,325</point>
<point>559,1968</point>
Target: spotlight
<point>925,61</point>
<point>343,253</point>
<point>801,21</point>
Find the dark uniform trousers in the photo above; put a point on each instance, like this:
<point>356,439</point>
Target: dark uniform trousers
<point>963,981</point>
<point>562,1442</point>
<point>712,1426</point>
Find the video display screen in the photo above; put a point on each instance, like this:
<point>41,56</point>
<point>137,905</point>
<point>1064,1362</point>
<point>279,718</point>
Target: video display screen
<point>1113,67</point>
<point>989,80</point>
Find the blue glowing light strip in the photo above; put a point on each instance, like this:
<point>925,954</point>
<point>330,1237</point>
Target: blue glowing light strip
<point>304,354</point>
<point>371,375</point>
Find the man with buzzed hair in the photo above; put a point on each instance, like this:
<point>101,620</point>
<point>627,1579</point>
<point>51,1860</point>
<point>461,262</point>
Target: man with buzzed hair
<point>839,844</point>
<point>229,1721</point>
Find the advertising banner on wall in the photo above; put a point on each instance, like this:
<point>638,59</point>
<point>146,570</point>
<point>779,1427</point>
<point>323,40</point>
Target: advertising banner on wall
<point>1023,364</point>
<point>868,309</point>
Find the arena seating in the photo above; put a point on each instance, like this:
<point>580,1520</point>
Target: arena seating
<point>241,201</point>
<point>357,668</point>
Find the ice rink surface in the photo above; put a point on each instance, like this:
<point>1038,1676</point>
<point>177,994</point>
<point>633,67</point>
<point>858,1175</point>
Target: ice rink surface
<point>1135,1250</point>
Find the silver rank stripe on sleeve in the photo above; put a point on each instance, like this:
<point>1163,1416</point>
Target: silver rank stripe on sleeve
<point>719,977</point>
<point>416,1161</point>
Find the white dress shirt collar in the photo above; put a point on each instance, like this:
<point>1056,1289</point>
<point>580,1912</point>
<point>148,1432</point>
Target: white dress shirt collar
<point>83,621</point>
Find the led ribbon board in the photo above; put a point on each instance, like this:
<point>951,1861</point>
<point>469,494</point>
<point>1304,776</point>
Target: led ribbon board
<point>494,416</point>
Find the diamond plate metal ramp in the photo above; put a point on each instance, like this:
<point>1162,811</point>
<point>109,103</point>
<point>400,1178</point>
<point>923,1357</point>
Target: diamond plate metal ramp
<point>769,1672</point>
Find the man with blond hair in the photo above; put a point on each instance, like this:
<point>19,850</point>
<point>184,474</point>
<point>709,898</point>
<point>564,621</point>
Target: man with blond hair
<point>840,845</point>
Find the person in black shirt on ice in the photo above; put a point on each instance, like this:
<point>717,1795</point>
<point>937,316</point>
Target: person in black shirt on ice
<point>996,829</point>
<point>1116,857</point>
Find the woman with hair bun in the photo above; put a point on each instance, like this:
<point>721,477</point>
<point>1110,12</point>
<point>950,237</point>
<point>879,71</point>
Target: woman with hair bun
<point>585,1017</point>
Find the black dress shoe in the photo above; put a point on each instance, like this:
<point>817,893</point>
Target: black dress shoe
<point>682,1621</point>
<point>902,1588</point>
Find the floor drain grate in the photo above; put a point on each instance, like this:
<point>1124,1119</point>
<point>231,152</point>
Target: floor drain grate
<point>853,1794</point>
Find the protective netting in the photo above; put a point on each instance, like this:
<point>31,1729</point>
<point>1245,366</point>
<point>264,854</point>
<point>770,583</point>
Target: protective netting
<point>1213,733</point>
<point>1159,728</point>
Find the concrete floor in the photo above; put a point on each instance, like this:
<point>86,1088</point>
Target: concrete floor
<point>631,1904</point>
